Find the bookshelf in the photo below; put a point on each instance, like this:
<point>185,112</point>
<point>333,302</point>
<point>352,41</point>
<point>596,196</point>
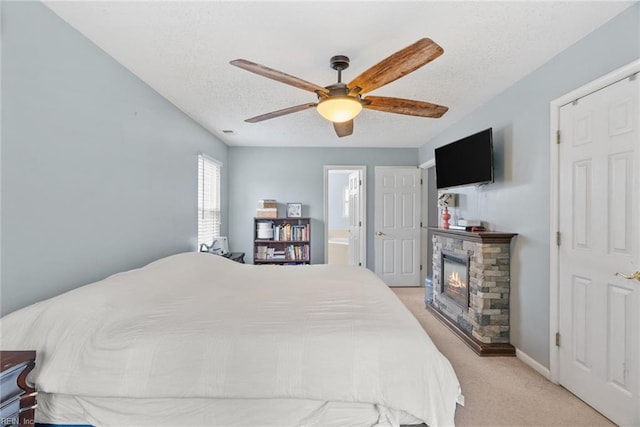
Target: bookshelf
<point>281,241</point>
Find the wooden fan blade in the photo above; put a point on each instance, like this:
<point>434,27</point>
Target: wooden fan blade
<point>344,128</point>
<point>282,112</point>
<point>404,106</point>
<point>278,76</point>
<point>397,65</point>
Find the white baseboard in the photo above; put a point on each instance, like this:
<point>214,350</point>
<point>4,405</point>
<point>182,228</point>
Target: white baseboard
<point>528,360</point>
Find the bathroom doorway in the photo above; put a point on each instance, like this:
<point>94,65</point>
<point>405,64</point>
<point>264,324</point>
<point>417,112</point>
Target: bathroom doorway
<point>344,215</point>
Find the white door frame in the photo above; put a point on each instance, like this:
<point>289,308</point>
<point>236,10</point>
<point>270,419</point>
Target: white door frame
<point>424,233</point>
<point>363,208</point>
<point>554,250</point>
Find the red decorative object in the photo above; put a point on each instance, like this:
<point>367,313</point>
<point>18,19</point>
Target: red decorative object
<point>446,216</point>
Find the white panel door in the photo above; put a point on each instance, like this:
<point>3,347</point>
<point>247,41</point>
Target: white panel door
<point>397,225</point>
<point>355,219</point>
<point>599,199</point>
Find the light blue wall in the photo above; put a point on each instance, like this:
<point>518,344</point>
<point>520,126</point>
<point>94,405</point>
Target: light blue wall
<point>98,170</point>
<point>296,175</point>
<point>337,182</point>
<point>519,199</point>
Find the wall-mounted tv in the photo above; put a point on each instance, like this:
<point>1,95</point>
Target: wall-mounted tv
<point>465,161</point>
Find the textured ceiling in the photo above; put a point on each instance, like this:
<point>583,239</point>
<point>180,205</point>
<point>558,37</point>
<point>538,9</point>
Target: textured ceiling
<point>183,49</point>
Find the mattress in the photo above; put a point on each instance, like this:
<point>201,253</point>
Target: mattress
<point>200,339</point>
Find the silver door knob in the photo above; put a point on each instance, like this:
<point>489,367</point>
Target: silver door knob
<point>379,233</point>
<point>635,275</point>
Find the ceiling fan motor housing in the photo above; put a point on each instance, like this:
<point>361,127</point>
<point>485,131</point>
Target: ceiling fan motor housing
<point>338,89</point>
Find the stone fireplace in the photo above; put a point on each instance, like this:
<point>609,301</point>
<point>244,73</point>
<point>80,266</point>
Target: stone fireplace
<point>471,287</point>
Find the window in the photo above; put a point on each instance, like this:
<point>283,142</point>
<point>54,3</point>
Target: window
<point>208,199</point>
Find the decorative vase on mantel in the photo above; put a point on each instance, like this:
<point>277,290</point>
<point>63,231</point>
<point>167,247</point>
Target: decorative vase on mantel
<point>446,216</point>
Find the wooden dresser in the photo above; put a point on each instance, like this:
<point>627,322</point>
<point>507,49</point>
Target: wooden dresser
<point>17,399</point>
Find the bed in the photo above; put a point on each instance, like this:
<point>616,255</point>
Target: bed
<point>198,339</point>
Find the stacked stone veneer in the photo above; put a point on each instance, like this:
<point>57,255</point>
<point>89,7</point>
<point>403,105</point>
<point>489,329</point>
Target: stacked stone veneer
<point>487,317</point>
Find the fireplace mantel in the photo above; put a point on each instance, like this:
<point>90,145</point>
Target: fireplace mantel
<point>478,236</point>
<point>483,323</point>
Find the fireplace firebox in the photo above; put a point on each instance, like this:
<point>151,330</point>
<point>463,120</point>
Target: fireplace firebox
<point>455,278</point>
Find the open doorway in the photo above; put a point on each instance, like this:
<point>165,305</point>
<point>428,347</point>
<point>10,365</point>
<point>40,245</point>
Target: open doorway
<point>344,215</point>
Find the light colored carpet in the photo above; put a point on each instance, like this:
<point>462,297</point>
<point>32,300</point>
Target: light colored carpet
<point>500,391</point>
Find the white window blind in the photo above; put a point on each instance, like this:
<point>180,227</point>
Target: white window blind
<point>208,199</point>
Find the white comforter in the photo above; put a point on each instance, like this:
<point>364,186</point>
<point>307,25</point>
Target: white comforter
<point>198,325</point>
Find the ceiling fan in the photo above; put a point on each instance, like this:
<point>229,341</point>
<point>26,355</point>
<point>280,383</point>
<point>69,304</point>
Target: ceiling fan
<point>340,102</point>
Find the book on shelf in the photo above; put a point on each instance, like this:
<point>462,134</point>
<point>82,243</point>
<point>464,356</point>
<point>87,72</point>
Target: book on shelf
<point>261,252</point>
<point>290,233</point>
<point>298,253</point>
<point>470,222</point>
<point>466,228</point>
<point>459,227</point>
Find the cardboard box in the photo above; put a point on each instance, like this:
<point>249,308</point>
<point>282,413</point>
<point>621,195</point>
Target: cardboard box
<point>267,213</point>
<point>267,204</point>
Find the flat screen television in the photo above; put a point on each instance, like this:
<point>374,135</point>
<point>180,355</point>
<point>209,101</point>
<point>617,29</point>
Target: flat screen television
<point>465,161</point>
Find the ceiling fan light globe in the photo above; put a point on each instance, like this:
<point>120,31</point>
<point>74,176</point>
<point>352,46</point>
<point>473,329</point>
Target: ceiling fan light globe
<point>339,109</point>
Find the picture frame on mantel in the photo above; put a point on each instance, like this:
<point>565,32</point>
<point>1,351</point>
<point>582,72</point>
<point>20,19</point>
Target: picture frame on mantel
<point>294,210</point>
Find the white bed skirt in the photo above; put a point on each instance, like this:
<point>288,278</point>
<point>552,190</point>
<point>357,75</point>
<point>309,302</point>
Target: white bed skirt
<point>64,409</point>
